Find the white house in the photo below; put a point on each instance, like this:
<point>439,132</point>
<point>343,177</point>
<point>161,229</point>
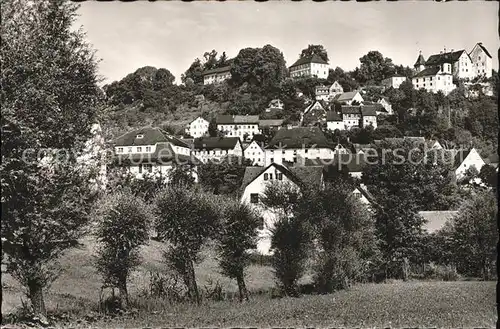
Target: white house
<point>395,81</point>
<point>334,121</point>
<point>255,181</point>
<point>384,102</point>
<point>242,126</point>
<point>197,128</point>
<point>481,61</point>
<point>313,113</point>
<point>255,153</point>
<point>322,93</point>
<point>465,159</point>
<point>215,148</point>
<point>290,143</point>
<point>461,63</point>
<point>152,150</point>
<point>434,78</point>
<point>217,75</point>
<point>349,97</point>
<point>270,123</point>
<point>335,89</point>
<point>312,66</point>
<point>359,116</point>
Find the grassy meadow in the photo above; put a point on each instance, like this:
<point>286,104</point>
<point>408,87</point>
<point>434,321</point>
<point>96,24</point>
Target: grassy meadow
<point>396,304</point>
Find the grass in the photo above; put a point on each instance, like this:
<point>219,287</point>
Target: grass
<point>397,304</point>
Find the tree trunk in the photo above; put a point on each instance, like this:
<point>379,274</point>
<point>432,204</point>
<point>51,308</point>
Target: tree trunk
<point>36,297</point>
<point>122,289</point>
<point>242,288</point>
<point>192,286</point>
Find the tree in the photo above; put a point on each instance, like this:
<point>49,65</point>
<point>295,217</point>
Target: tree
<point>186,218</point>
<point>49,102</point>
<point>238,235</point>
<point>489,176</point>
<point>194,72</point>
<point>374,68</point>
<point>210,60</point>
<point>345,79</point>
<point>224,177</point>
<point>318,50</point>
<point>474,235</point>
<point>123,225</point>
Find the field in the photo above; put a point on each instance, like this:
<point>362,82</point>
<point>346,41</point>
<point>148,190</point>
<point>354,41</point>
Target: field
<point>397,304</point>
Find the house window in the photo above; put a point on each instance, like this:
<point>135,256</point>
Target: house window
<point>272,160</point>
<point>148,148</point>
<point>130,150</point>
<point>148,167</point>
<point>270,176</point>
<point>254,198</point>
<point>279,176</point>
<point>266,176</point>
<point>140,169</point>
<point>139,149</point>
<point>120,150</point>
<point>139,136</point>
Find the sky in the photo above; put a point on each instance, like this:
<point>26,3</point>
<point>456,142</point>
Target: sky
<point>172,34</point>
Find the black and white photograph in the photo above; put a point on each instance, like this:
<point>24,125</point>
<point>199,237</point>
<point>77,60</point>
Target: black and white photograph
<point>244,164</point>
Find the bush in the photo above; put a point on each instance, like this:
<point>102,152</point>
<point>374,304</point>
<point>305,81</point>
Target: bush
<point>441,272</point>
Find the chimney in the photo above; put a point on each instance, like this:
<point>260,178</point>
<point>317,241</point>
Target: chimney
<point>445,49</point>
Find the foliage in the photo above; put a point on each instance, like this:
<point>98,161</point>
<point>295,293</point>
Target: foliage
<point>374,68</point>
<point>238,235</point>
<point>318,50</point>
<point>120,179</point>
<point>122,227</point>
<point>50,100</point>
<point>224,177</point>
<point>186,218</point>
<point>345,79</point>
<point>489,176</point>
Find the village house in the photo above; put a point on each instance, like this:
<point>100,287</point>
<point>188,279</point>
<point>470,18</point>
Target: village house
<point>242,126</point>
<point>312,66</point>
<point>349,98</point>
<point>435,77</point>
<point>215,148</point>
<point>394,82</point>
<point>384,102</point>
<point>481,61</point>
<point>305,142</point>
<point>255,153</point>
<point>460,61</point>
<point>217,75</point>
<point>359,116</point>
<point>152,150</point>
<point>335,89</point>
<point>270,123</point>
<point>334,121</point>
<point>465,160</point>
<point>322,93</point>
<point>197,128</point>
<point>314,113</point>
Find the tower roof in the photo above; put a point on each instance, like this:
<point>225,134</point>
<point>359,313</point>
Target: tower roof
<point>420,60</point>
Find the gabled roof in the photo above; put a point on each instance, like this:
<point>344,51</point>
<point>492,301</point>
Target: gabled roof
<point>310,59</point>
<point>198,117</point>
<point>428,71</point>
<point>333,116</point>
<point>256,143</point>
<point>364,191</point>
<point>210,143</point>
<point>460,157</point>
<point>299,136</point>
<point>435,220</point>
<point>311,176</point>
<point>308,108</point>
<point>150,136</point>
<point>346,96</point>
<point>225,68</point>
<point>237,119</point>
<point>270,122</point>
<point>439,59</point>
<point>351,109</point>
<point>480,44</point>
<point>370,110</point>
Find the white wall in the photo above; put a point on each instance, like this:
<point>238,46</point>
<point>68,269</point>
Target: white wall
<point>239,130</point>
<point>472,159</point>
<point>280,155</point>
<point>332,125</point>
<point>255,153</point>
<point>481,62</point>
<point>198,127</point>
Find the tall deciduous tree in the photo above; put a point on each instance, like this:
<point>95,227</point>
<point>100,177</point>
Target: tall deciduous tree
<point>318,50</point>
<point>224,177</point>
<point>49,101</point>
<point>374,68</point>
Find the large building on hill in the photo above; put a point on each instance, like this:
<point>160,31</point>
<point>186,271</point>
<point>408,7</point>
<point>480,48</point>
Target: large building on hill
<point>435,76</point>
<point>197,128</point>
<point>218,74</point>
<point>215,148</point>
<point>152,150</point>
<point>481,61</point>
<point>311,66</point>
<point>242,126</point>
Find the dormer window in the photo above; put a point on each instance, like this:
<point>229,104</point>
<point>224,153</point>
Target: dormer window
<point>139,136</point>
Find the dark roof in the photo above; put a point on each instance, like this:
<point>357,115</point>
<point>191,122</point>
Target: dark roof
<point>236,119</point>
<point>270,122</point>
<point>307,175</point>
<point>426,72</point>
<point>480,44</point>
<point>351,109</point>
<point>310,59</point>
<point>310,106</point>
<point>439,59</point>
<point>436,220</point>
<point>460,157</point>
<point>370,110</point>
<point>333,116</point>
<point>151,136</point>
<point>492,158</point>
<point>210,143</point>
<point>222,69</point>
<point>163,153</point>
<point>346,96</point>
<point>299,136</point>
<point>420,60</point>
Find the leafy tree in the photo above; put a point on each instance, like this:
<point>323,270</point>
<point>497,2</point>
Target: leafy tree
<point>120,179</point>
<point>345,79</point>
<point>238,235</point>
<point>194,72</point>
<point>318,50</point>
<point>475,236</point>
<point>387,131</point>
<point>210,60</point>
<point>186,218</point>
<point>123,225</point>
<point>489,176</point>
<point>212,128</point>
<point>224,177</point>
<point>374,68</point>
<point>49,102</point>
